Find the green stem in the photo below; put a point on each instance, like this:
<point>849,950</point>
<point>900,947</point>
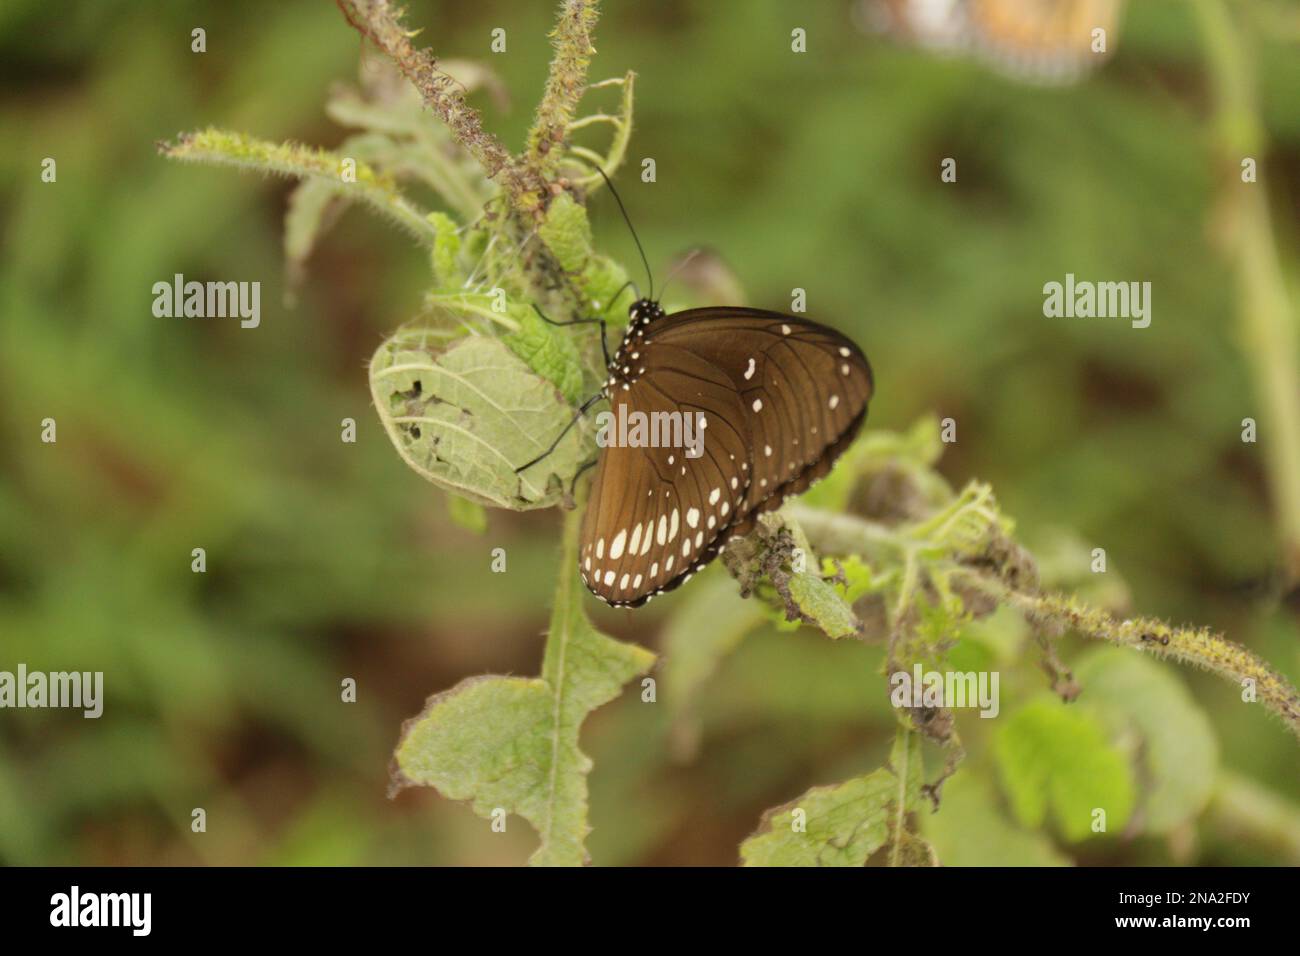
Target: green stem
<point>846,534</point>
<point>565,84</point>
<point>1199,646</point>
<point>224,148</point>
<point>1267,316</point>
<point>901,746</point>
<point>378,22</point>
<point>1241,809</point>
<point>839,534</point>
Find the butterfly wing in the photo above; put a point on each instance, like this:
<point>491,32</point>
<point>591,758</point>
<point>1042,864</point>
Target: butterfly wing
<point>1045,41</point>
<point>1048,41</point>
<point>803,387</point>
<point>656,515</point>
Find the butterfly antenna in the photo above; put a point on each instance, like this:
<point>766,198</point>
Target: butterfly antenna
<point>682,264</point>
<point>627,219</point>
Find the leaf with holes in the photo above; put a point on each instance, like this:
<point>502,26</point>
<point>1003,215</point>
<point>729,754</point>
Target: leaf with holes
<point>465,413</point>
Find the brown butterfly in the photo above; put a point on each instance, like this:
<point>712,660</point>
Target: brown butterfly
<point>773,400</point>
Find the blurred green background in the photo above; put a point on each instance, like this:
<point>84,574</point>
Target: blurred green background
<point>328,560</point>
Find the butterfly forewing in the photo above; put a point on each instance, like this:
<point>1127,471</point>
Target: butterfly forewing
<point>802,387</point>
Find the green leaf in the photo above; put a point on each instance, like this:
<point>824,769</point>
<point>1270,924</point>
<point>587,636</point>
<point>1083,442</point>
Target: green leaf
<point>446,247</point>
<point>1051,756</point>
<point>225,148</point>
<point>859,581</point>
<point>970,830</point>
<point>692,653</point>
<point>309,206</point>
<point>1173,747</point>
<point>549,352</point>
<point>466,414</point>
<point>600,281</point>
<point>822,602</point>
<point>567,233</point>
<point>912,453</point>
<point>512,742</point>
<point>467,514</point>
<point>846,823</point>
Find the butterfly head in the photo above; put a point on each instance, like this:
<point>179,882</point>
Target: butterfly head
<point>644,311</point>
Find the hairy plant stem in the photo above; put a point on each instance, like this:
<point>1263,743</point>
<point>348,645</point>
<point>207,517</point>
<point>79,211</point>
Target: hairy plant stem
<point>528,181</point>
<point>379,22</point>
<point>565,84</point>
<point>839,534</point>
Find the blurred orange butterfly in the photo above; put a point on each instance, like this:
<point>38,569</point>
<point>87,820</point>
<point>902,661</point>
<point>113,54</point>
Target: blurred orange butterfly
<point>1047,41</point>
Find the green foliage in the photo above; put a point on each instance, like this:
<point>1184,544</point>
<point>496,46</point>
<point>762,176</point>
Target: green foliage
<point>1052,757</point>
<point>549,352</point>
<point>512,742</point>
<point>1169,741</point>
<point>973,830</point>
<point>844,824</point>
<point>225,148</point>
<point>705,627</point>
<point>469,515</point>
<point>1100,432</point>
<point>823,604</point>
<point>466,415</point>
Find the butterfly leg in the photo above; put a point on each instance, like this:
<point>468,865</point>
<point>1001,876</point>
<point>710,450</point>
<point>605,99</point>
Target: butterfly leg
<point>558,438</point>
<point>573,485</point>
<point>603,347</point>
